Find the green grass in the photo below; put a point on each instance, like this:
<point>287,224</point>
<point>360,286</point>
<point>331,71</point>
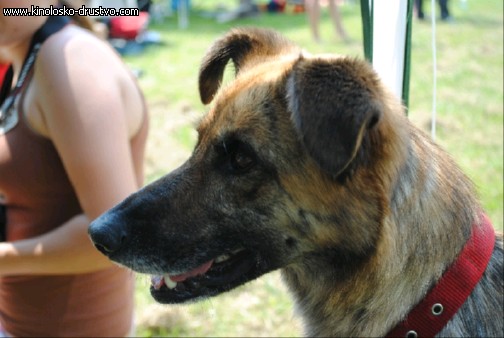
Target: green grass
<point>469,116</point>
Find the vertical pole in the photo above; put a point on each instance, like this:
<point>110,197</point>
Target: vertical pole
<point>407,56</point>
<point>367,28</point>
<point>391,43</point>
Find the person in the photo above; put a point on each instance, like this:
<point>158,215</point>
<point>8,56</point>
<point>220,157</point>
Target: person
<point>312,8</point>
<point>443,6</point>
<point>246,8</point>
<point>73,128</point>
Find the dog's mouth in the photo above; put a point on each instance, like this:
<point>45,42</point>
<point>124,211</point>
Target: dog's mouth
<point>215,276</point>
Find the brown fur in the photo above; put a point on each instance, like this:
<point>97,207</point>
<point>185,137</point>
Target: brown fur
<point>309,164</point>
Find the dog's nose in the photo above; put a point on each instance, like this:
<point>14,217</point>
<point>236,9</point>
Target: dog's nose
<point>108,235</point>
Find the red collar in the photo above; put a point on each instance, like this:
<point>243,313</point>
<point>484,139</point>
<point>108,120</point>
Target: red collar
<point>429,316</point>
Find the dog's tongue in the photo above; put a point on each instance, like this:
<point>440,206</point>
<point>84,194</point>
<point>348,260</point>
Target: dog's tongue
<point>200,270</point>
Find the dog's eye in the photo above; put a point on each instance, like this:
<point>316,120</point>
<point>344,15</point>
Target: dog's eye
<point>236,156</point>
<point>241,161</point>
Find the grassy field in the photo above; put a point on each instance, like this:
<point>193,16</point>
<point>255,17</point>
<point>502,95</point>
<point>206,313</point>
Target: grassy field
<point>469,116</point>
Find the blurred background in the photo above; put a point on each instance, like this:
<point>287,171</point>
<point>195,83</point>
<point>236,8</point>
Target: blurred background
<point>165,55</point>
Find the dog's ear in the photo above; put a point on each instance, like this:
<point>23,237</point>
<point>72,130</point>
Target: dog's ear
<point>245,47</point>
<point>334,103</point>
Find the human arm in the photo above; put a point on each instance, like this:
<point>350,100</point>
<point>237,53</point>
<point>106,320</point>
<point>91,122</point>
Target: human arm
<point>64,250</point>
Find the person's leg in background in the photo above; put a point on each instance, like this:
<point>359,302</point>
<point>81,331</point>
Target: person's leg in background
<point>445,13</point>
<point>313,11</point>
<point>337,22</point>
<point>419,9</point>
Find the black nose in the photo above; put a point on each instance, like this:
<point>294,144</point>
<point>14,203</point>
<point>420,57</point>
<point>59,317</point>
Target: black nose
<point>108,234</point>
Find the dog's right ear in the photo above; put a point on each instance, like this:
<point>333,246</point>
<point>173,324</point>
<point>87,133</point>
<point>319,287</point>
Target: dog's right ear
<point>245,47</point>
<point>334,104</point>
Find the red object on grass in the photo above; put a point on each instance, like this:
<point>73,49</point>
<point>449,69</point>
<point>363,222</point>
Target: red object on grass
<point>128,27</point>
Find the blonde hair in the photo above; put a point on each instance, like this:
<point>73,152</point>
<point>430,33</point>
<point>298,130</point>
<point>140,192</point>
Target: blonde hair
<point>82,21</point>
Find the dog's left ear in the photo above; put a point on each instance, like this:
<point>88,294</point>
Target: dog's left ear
<point>334,103</point>
<point>245,47</point>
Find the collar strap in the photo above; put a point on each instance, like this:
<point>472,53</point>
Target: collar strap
<point>429,316</point>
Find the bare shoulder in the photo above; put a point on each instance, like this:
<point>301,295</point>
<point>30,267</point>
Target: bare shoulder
<point>76,70</point>
<point>79,49</point>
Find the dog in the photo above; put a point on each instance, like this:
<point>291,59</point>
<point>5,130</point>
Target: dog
<point>308,164</point>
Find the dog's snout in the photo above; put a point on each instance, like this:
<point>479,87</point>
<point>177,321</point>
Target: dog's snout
<point>108,235</point>
<point>108,243</point>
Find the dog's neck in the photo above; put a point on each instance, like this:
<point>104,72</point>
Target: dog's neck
<point>441,303</point>
<point>418,241</point>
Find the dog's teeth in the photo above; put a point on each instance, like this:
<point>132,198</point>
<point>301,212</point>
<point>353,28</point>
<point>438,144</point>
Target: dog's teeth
<point>157,282</point>
<point>221,258</point>
<point>169,283</point>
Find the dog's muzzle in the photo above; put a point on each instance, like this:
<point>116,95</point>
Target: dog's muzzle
<point>107,234</point>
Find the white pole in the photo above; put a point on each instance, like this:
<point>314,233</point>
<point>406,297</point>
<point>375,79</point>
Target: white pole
<point>389,35</point>
<point>434,70</point>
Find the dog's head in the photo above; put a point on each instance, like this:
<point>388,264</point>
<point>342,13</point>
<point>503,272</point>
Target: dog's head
<point>288,159</point>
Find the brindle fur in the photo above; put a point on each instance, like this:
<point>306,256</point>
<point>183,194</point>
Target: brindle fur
<point>360,210</point>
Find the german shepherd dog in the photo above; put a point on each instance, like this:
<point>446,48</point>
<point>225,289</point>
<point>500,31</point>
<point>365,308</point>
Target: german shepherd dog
<point>306,164</point>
